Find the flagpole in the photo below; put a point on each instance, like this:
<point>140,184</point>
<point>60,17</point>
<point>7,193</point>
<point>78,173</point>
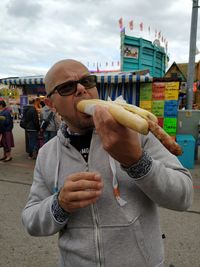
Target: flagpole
<point>192,52</point>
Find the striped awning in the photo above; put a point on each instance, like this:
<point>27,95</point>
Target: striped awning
<point>123,78</point>
<point>23,80</point>
<point>101,78</point>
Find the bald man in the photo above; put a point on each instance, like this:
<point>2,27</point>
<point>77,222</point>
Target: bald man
<point>99,184</point>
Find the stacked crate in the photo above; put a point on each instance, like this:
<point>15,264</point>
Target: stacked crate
<point>161,98</point>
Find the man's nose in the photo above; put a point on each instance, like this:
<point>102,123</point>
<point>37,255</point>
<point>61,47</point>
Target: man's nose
<point>80,89</point>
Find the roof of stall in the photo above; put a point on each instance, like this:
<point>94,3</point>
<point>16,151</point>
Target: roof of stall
<point>23,80</point>
<point>120,77</point>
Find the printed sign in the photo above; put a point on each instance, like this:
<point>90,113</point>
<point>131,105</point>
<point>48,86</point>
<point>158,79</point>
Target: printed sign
<point>170,125</point>
<point>171,90</point>
<point>131,52</point>
<point>158,108</point>
<point>158,91</point>
<point>171,108</point>
<point>160,122</point>
<point>145,91</point>
<point>146,105</point>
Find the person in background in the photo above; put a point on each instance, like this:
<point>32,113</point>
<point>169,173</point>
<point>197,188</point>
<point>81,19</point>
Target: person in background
<point>49,114</point>
<point>6,135</point>
<point>32,129</point>
<point>42,102</point>
<point>99,184</point>
<point>15,112</point>
<point>37,104</point>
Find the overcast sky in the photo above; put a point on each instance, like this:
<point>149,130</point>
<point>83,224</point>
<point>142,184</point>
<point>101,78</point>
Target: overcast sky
<point>34,34</point>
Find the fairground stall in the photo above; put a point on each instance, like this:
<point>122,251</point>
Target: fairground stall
<point>26,87</point>
<point>158,95</point>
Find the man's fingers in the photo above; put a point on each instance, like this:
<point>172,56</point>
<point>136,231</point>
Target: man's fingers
<point>79,199</point>
<point>84,185</point>
<point>105,123</point>
<point>80,190</point>
<point>102,113</point>
<point>85,176</point>
<point>83,195</point>
<point>75,205</point>
<point>83,181</point>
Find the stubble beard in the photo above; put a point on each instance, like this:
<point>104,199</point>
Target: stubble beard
<point>81,125</point>
<point>86,125</point>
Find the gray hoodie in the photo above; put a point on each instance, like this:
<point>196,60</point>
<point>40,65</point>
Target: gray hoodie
<point>106,234</point>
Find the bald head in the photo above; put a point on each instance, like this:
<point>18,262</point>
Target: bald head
<point>62,71</point>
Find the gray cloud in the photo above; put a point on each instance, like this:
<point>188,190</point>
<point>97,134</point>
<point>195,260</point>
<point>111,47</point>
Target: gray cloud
<point>23,8</point>
<point>35,34</point>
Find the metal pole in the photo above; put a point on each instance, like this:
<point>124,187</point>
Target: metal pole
<point>191,64</point>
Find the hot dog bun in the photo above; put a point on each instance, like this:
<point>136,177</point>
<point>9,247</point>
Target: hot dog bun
<point>119,113</point>
<point>133,117</point>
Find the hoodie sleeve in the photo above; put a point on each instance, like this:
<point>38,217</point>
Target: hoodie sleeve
<point>37,216</point>
<point>166,182</point>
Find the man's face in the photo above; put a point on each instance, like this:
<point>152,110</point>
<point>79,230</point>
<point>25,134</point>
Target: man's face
<point>66,105</point>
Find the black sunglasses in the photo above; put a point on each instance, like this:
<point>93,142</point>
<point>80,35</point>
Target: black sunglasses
<point>70,87</point>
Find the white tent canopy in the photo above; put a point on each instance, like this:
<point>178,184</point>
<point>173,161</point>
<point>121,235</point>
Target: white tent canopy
<point>121,77</point>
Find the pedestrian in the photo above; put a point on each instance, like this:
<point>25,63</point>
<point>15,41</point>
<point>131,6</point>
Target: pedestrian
<point>6,135</point>
<point>49,121</point>
<point>31,118</point>
<point>77,174</point>
<point>15,112</point>
<point>37,104</point>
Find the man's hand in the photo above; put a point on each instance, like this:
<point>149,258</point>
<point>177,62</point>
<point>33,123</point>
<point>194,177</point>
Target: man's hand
<point>80,190</point>
<point>120,142</point>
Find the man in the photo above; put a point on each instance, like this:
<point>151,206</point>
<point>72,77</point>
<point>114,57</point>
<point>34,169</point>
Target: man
<point>78,174</point>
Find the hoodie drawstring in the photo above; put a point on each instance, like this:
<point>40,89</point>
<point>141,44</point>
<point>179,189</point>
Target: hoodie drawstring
<point>116,192</point>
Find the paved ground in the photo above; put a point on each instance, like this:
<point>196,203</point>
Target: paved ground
<point>18,249</point>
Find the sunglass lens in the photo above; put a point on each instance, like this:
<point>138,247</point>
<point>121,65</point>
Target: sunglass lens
<point>67,89</point>
<point>89,82</point>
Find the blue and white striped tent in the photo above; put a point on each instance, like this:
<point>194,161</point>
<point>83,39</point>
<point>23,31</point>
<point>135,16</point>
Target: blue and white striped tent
<point>121,77</point>
<point>108,84</point>
<point>121,84</point>
<point>23,80</point>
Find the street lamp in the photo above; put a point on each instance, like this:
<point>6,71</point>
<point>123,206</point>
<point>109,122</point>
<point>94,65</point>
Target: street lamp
<point>192,53</point>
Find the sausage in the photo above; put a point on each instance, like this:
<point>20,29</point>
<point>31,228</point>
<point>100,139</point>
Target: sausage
<point>133,117</point>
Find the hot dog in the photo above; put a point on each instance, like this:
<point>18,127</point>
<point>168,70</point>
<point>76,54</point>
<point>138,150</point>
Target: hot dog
<point>133,117</point>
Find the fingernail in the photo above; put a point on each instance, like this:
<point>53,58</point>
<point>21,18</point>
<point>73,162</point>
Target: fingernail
<point>100,185</point>
<point>97,176</point>
<point>98,193</point>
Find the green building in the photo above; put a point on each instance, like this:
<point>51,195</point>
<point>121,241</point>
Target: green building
<point>141,54</point>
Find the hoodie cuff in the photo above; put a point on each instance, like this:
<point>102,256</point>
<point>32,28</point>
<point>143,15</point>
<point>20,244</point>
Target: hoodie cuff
<point>141,168</point>
<point>59,214</point>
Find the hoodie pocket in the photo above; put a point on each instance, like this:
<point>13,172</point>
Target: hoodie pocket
<point>125,246</point>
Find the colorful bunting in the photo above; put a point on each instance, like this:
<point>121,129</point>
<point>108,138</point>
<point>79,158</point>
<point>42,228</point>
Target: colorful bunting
<point>122,30</point>
<point>121,23</point>
<point>131,25</point>
<point>97,67</point>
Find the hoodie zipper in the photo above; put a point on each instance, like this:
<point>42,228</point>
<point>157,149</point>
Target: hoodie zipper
<point>97,235</point>
<point>96,230</point>
<point>94,215</point>
<point>95,221</point>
